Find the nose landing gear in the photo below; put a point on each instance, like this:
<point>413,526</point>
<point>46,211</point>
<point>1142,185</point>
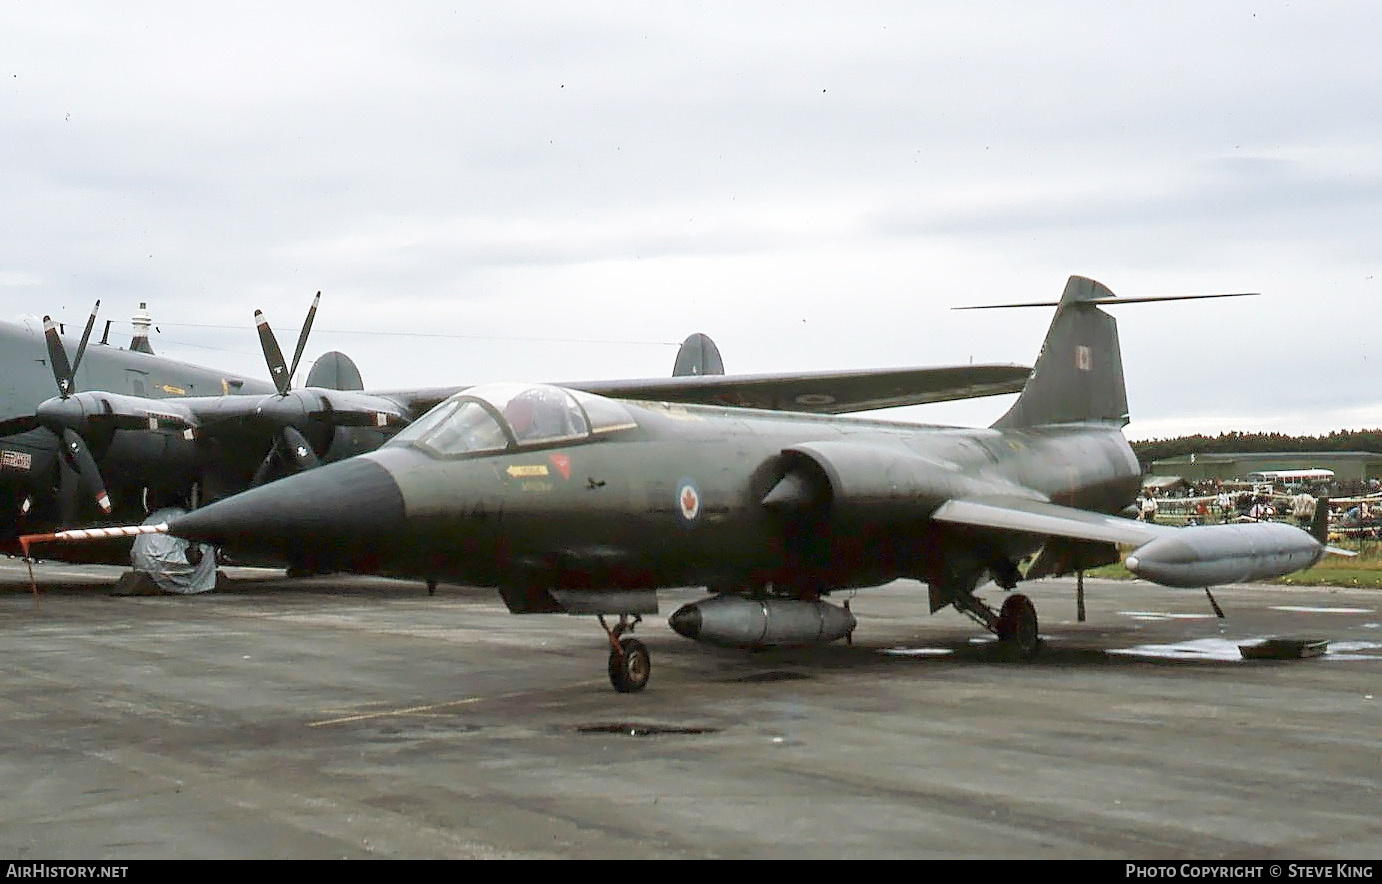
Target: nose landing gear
<point>630,665</point>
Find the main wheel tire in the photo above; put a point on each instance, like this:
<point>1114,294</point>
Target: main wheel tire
<point>1017,625</point>
<point>629,671</point>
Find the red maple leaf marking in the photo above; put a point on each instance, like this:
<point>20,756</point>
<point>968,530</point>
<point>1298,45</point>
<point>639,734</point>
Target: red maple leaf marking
<point>688,500</point>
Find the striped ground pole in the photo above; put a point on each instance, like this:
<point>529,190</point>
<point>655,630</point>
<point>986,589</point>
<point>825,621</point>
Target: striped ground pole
<point>77,535</point>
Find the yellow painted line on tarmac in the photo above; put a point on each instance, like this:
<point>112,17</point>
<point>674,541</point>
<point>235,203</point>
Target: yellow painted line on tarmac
<point>390,713</point>
<point>418,710</point>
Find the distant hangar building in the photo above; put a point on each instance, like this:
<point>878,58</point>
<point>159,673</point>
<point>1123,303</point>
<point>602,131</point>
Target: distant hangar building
<point>1347,466</point>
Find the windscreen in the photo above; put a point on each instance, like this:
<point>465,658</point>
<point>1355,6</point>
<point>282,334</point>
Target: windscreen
<point>494,417</point>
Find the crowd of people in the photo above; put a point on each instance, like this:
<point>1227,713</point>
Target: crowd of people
<point>1215,502</point>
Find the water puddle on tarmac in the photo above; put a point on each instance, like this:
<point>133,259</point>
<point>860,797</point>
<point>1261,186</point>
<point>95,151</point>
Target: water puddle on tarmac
<point>642,729</point>
<point>918,652</point>
<point>1301,609</point>
<point>1226,650</point>
<point>1163,615</point>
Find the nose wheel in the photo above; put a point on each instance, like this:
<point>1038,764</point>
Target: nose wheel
<point>630,665</point>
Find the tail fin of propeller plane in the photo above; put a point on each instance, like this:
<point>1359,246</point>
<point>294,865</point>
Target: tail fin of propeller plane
<point>335,371</point>
<point>698,356</point>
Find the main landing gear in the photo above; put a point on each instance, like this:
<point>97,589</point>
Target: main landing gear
<point>629,661</point>
<point>1015,623</point>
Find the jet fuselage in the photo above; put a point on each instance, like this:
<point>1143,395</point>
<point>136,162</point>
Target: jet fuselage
<point>678,500</point>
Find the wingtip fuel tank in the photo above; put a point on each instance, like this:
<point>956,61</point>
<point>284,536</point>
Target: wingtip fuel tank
<point>1211,555</point>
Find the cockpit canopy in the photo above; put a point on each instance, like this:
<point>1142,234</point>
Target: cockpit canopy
<point>498,417</point>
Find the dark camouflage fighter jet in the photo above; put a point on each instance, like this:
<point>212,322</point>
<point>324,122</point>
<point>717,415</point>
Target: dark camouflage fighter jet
<point>567,501</point>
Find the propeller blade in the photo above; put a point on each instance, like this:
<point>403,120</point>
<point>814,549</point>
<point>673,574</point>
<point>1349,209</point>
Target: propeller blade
<point>290,449</point>
<point>298,449</point>
<point>57,358</point>
<point>86,336</point>
<point>278,369</point>
<point>302,336</point>
<point>67,491</point>
<point>88,475</point>
<point>266,468</point>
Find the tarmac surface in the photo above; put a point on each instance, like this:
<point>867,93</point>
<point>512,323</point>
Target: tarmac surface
<point>351,717</point>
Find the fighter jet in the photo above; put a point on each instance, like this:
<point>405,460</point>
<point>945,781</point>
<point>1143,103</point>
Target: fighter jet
<point>566,501</point>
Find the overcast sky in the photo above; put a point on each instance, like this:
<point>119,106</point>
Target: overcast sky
<point>558,191</point>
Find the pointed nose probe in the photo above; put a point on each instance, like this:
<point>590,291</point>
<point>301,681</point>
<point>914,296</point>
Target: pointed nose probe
<point>349,501</point>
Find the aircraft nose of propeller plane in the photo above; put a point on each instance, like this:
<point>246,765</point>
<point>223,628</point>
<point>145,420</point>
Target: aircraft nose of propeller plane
<point>353,500</point>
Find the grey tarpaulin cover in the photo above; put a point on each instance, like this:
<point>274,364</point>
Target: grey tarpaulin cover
<point>164,558</point>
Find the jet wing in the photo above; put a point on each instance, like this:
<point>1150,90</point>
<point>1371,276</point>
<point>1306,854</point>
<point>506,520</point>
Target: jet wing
<point>1049,519</point>
<point>819,392</point>
<point>828,392</point>
<point>419,400</point>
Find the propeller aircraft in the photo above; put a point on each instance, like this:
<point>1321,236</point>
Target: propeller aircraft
<point>60,454</point>
<point>573,502</point>
<point>127,427</point>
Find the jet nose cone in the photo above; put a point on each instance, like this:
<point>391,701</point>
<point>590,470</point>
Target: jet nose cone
<point>686,621</point>
<point>353,500</point>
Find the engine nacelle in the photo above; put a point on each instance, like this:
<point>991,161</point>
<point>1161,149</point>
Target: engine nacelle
<point>877,482</point>
<point>733,621</point>
<point>1210,555</point>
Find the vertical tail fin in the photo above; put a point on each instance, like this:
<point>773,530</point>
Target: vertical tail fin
<point>1078,377</point>
<point>335,371</point>
<point>698,356</point>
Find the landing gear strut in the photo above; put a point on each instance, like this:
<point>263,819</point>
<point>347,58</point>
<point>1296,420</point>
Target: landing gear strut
<point>629,661</point>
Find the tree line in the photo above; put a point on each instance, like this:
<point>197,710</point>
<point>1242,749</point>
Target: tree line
<point>1254,443</point>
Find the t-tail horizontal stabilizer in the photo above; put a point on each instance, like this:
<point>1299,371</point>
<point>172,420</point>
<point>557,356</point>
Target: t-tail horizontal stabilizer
<point>1111,299</point>
<point>1078,377</point>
